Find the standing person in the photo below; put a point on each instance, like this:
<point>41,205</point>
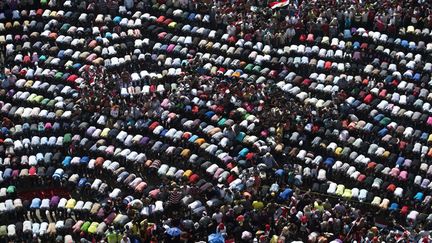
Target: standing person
<point>221,229</point>
<point>112,236</point>
<point>101,6</point>
<point>13,4</point>
<point>125,239</point>
<point>112,7</point>
<point>129,4</point>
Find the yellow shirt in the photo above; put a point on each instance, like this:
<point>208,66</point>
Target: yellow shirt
<point>318,207</point>
<point>70,203</point>
<point>257,205</point>
<point>135,229</point>
<point>200,141</point>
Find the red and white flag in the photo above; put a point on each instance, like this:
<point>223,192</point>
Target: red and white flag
<point>279,4</point>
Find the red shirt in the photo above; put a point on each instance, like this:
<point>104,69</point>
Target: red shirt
<point>186,136</point>
<point>380,25</point>
<point>325,28</point>
<point>153,126</point>
<point>249,156</point>
<point>391,188</point>
<point>368,99</point>
<point>39,12</point>
<point>327,65</point>
<point>32,171</point>
<point>230,178</point>
<point>27,59</point>
<point>193,178</point>
<point>361,178</point>
<point>230,166</point>
<point>195,109</point>
<point>404,210</point>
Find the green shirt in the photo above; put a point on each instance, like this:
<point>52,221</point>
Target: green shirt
<point>10,189</point>
<point>113,237</point>
<point>85,226</point>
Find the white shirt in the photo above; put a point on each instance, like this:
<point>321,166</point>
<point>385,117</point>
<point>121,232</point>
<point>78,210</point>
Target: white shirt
<point>125,240</point>
<point>218,217</point>
<point>62,203</point>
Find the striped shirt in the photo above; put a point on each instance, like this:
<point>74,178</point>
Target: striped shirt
<point>175,197</point>
<point>156,164</point>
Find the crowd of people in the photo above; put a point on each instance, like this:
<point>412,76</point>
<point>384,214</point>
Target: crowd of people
<point>215,121</point>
